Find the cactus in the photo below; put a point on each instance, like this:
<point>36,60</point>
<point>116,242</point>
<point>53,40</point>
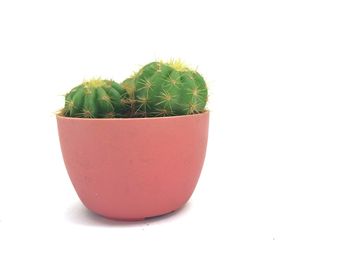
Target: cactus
<point>158,89</point>
<point>167,89</point>
<point>96,98</point>
<point>129,100</point>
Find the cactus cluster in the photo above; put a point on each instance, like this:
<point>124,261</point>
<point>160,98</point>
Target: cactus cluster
<point>157,89</point>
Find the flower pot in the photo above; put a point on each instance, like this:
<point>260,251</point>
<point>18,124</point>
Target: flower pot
<point>131,169</point>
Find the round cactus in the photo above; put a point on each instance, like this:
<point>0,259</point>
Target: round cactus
<point>96,98</point>
<point>167,89</point>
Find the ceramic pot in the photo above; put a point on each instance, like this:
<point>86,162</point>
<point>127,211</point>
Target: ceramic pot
<point>134,168</point>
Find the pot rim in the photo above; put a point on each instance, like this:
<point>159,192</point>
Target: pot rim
<point>206,112</point>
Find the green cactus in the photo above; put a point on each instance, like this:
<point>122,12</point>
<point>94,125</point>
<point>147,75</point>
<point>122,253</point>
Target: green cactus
<point>167,89</point>
<point>158,89</point>
<point>129,86</point>
<point>96,98</point>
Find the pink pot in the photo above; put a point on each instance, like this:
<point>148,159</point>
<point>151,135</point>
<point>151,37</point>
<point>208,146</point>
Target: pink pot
<point>135,168</point>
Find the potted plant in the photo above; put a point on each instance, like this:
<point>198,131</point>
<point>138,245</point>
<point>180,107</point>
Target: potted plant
<point>135,150</point>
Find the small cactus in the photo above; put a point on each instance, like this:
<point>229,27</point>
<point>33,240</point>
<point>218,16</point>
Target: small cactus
<point>96,98</point>
<point>129,86</point>
<point>167,89</point>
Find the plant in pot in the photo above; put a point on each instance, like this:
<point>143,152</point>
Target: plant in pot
<point>135,150</point>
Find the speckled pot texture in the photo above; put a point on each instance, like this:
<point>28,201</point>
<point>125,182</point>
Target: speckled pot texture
<point>134,168</point>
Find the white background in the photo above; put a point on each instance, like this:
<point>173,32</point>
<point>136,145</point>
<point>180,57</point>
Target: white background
<point>275,184</point>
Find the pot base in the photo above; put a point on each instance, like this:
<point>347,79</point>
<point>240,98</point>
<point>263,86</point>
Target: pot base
<point>136,218</point>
